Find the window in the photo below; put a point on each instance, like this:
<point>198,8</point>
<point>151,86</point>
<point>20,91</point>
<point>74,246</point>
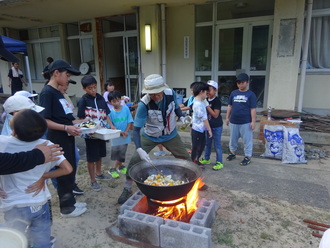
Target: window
<point>42,43</point>
<point>80,44</point>
<point>119,23</point>
<point>318,51</point>
<point>203,48</point>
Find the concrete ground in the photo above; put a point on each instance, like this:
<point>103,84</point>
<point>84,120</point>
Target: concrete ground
<point>296,183</point>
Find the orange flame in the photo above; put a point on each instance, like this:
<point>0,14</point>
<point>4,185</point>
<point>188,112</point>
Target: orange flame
<point>178,212</point>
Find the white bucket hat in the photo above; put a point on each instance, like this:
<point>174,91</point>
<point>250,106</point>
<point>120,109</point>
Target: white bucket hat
<point>19,102</point>
<point>154,83</point>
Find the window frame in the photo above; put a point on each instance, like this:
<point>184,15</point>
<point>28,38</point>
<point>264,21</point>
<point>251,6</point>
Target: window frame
<point>80,37</point>
<point>318,71</point>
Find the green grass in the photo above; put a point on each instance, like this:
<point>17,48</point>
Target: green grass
<point>226,237</point>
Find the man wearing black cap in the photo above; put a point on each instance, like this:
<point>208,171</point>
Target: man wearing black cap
<point>241,115</point>
<point>59,117</point>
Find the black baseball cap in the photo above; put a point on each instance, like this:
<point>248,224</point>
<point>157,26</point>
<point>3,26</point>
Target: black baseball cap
<point>61,64</point>
<point>5,54</point>
<point>242,77</point>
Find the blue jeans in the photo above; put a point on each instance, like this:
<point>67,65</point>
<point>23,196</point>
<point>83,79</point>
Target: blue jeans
<point>36,220</point>
<point>246,133</point>
<point>217,132</point>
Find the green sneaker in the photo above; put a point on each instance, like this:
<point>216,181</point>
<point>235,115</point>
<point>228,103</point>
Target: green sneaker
<point>113,173</point>
<point>217,166</point>
<point>204,161</point>
<point>122,169</point>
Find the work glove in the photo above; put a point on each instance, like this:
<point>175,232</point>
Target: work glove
<point>143,155</point>
<point>206,103</point>
<point>183,119</point>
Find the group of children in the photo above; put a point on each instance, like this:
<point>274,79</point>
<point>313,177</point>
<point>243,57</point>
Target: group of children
<point>24,202</point>
<point>207,124</point>
<point>28,128</point>
<point>94,107</point>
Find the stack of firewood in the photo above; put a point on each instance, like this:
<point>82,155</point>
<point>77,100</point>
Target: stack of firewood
<point>315,123</point>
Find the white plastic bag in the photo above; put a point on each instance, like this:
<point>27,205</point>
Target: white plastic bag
<point>293,147</point>
<point>274,141</point>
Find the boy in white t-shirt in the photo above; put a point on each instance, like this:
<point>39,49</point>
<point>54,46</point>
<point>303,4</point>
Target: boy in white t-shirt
<point>23,209</point>
<point>200,123</point>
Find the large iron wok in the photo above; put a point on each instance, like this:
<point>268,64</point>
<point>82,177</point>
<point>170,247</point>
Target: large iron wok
<point>179,169</point>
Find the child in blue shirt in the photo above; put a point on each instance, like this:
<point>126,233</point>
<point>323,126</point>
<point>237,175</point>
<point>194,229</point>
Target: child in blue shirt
<point>241,118</point>
<point>121,118</point>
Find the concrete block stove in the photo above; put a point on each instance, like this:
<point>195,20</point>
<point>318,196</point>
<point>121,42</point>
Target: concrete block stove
<point>138,228</point>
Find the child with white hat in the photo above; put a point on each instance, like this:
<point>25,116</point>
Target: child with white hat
<point>14,104</point>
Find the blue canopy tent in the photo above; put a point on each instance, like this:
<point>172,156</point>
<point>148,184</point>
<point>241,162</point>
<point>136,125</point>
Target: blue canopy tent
<point>18,47</point>
<point>14,46</point>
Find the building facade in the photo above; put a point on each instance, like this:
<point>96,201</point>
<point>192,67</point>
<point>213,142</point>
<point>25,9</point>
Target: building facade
<point>283,45</point>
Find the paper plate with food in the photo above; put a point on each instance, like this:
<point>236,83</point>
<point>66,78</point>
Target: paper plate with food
<point>87,126</point>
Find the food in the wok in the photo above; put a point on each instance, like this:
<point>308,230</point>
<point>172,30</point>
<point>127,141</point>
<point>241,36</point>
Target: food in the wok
<point>162,180</point>
<point>88,124</point>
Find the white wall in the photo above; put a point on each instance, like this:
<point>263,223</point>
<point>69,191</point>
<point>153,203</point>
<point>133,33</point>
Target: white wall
<point>4,68</point>
<point>316,94</point>
<point>283,78</point>
<point>150,61</point>
<point>180,23</point>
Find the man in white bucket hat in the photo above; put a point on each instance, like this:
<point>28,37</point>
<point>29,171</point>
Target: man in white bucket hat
<point>156,113</point>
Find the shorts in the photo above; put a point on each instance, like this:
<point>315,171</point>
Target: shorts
<point>118,153</point>
<point>95,149</point>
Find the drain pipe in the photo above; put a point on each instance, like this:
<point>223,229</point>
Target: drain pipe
<point>163,26</point>
<point>305,53</point>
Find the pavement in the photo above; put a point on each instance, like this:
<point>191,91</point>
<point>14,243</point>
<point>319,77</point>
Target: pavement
<point>296,183</point>
<point>307,184</point>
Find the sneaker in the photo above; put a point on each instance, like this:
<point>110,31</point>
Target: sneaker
<point>217,166</point>
<point>204,161</point>
<point>80,204</point>
<point>95,186</point>
<point>113,173</point>
<point>231,156</point>
<point>245,161</point>
<point>102,177</point>
<point>76,190</point>
<point>122,169</point>
<point>75,213</point>
<point>124,195</point>
<point>160,153</point>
